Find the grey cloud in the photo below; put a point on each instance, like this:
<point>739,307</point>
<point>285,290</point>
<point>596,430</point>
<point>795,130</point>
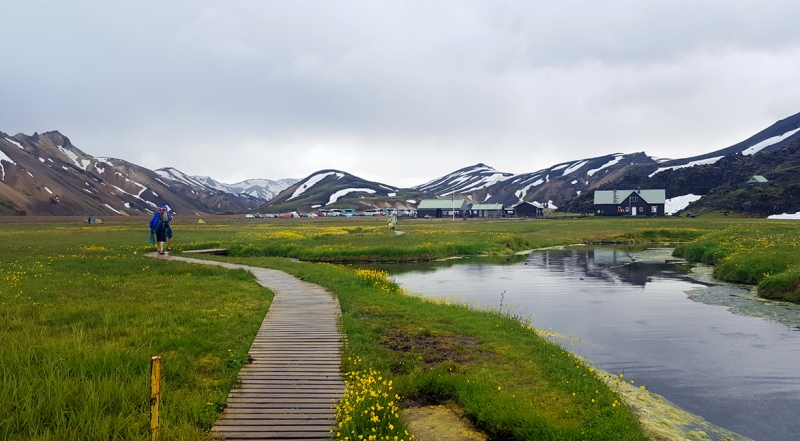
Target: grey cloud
<point>245,89</point>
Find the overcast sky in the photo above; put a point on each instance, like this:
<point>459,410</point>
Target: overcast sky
<point>400,92</point>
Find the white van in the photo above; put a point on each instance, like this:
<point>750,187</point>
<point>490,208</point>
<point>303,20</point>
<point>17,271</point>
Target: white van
<point>249,216</point>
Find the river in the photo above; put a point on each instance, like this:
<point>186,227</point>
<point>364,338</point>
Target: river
<point>711,349</point>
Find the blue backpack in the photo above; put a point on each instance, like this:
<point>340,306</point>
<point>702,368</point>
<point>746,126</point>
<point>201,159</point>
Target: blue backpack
<point>154,220</point>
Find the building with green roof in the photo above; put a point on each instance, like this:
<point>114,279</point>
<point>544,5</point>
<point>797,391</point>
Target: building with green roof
<point>629,202</point>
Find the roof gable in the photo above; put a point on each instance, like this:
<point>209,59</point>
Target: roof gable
<point>443,204</point>
<point>611,197</point>
<point>487,207</point>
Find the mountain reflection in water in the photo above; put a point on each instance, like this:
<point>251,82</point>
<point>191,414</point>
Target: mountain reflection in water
<point>630,309</point>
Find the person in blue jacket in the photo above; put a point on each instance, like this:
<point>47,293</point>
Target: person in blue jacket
<point>160,222</point>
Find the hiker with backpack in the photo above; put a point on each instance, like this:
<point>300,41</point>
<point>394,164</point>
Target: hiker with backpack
<point>160,222</point>
<point>169,228</point>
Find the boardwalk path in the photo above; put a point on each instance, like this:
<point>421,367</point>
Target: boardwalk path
<point>288,390</point>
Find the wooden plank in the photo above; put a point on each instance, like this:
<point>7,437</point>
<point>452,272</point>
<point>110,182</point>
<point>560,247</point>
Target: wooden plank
<point>290,388</point>
<point>275,422</point>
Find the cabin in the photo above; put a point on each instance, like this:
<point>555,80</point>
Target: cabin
<point>528,209</point>
<point>629,202</point>
<point>487,210</point>
<point>757,179</point>
<point>442,208</point>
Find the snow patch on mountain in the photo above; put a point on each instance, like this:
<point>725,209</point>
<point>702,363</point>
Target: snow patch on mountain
<point>177,175</point>
<point>3,157</point>
<point>136,195</point>
<point>111,208</point>
<point>334,197</point>
<point>752,150</point>
<point>522,192</point>
<point>614,161</point>
<point>48,190</point>
<point>660,160</point>
<point>574,167</point>
<point>465,180</point>
<point>688,164</point>
<point>676,204</point>
<point>312,181</point>
<point>72,156</point>
<point>785,216</point>
<point>15,143</point>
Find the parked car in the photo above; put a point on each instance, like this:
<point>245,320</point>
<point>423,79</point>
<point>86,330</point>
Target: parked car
<point>249,216</point>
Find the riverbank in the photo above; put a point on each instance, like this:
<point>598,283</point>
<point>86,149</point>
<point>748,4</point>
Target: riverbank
<point>509,381</point>
<point>764,254</point>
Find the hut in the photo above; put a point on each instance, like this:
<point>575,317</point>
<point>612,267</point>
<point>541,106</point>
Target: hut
<point>528,209</point>
<point>629,202</point>
<point>442,207</point>
<point>487,210</point>
<point>757,179</point>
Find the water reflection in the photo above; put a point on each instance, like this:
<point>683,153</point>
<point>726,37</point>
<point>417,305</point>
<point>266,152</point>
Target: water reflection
<point>631,309</point>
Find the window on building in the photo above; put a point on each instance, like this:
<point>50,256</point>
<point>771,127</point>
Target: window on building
<point>627,209</point>
<point>654,209</point>
<point>634,199</point>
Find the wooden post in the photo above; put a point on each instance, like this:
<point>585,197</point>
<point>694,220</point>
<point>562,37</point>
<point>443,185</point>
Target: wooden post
<point>155,396</point>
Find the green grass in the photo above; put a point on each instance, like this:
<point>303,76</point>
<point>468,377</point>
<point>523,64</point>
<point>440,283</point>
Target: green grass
<point>366,239</point>
<point>80,317</point>
<point>766,254</point>
<point>82,311</point>
<point>510,382</point>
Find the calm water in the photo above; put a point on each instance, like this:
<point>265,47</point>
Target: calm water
<point>633,314</point>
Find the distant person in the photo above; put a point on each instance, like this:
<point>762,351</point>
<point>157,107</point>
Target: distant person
<point>160,222</point>
<point>169,228</point>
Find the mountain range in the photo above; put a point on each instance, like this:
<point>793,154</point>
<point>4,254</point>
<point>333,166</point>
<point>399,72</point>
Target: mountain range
<point>46,174</point>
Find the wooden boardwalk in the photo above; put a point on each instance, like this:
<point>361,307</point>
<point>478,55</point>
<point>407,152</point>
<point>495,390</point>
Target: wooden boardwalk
<point>289,389</point>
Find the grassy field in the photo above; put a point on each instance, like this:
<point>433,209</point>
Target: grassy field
<point>765,254</point>
<point>82,311</point>
<point>369,239</point>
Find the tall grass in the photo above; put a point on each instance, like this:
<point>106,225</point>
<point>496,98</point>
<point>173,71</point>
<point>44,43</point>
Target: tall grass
<point>765,254</point>
<point>80,317</point>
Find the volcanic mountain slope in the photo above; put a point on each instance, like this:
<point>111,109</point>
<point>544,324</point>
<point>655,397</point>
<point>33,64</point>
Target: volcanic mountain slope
<point>467,180</point>
<point>557,184</point>
<point>260,188</point>
<point>564,182</point>
<point>44,174</point>
<point>723,185</point>
<point>327,189</point>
